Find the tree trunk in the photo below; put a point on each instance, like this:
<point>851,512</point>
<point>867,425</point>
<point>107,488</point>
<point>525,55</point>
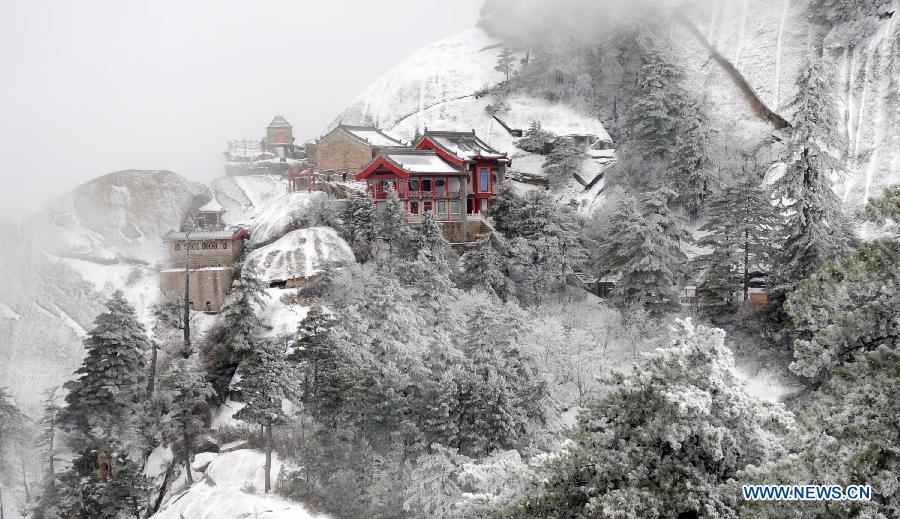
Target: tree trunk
<point>1,504</point>
<point>25,481</point>
<point>187,305</point>
<point>154,354</point>
<point>268,458</point>
<point>746,264</point>
<point>52,451</point>
<point>187,468</point>
<point>759,108</point>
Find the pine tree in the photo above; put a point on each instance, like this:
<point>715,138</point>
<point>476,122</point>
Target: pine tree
<point>666,440</point>
<point>429,238</point>
<point>360,220</point>
<point>47,440</point>
<point>240,326</point>
<point>112,379</point>
<point>535,138</point>
<point>505,208</point>
<point>433,489</point>
<point>12,426</point>
<point>816,231</point>
<point>505,61</point>
<point>187,391</point>
<point>643,246</point>
<point>315,352</point>
<point>484,266</point>
<point>266,380</point>
<point>690,172</point>
<point>740,226</point>
<point>563,161</point>
<point>394,229</point>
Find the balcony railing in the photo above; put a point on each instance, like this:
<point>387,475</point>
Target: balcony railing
<point>440,194</point>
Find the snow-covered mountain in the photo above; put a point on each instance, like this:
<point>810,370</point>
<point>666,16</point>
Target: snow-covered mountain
<point>768,41</point>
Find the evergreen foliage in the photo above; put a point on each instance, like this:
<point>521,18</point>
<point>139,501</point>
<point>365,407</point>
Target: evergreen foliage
<point>505,207</point>
<point>484,266</point>
<point>183,427</point>
<point>816,231</point>
<point>740,227</point>
<point>563,161</point>
<point>394,229</point>
<point>112,379</point>
<point>429,238</point>
<point>666,440</point>
<point>505,61</point>
<point>360,220</point>
<point>535,138</point>
<point>643,246</point>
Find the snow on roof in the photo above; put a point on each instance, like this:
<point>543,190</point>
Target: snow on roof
<point>464,145</point>
<point>371,135</point>
<point>300,254</point>
<point>279,122</point>
<point>420,161</point>
<point>213,206</point>
<point>203,234</point>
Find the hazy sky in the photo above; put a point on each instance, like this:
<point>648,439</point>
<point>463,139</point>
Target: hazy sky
<point>89,87</point>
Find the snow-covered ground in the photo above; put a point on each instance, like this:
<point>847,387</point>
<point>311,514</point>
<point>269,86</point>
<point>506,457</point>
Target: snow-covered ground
<point>231,486</point>
<point>301,254</point>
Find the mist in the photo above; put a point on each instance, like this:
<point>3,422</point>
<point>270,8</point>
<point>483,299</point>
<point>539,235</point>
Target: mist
<point>95,87</point>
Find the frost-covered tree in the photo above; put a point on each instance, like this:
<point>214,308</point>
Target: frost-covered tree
<point>267,379</point>
<point>319,361</point>
<point>850,21</point>
<point>429,238</point>
<point>563,161</point>
<point>690,172</point>
<point>505,208</point>
<point>12,427</point>
<point>112,379</point>
<point>739,230</point>
<point>816,231</point>
<point>360,220</point>
<point>240,326</point>
<point>545,246</point>
<point>433,489</point>
<point>535,139</point>
<point>642,244</point>
<point>484,266</point>
<point>667,438</point>
<point>187,392</point>
<point>394,229</point>
<point>48,441</point>
<point>505,61</point>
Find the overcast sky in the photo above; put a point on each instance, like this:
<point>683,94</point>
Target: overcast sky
<point>89,87</point>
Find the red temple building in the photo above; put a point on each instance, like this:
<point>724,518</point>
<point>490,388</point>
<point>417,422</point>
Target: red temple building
<point>446,173</point>
<point>484,166</point>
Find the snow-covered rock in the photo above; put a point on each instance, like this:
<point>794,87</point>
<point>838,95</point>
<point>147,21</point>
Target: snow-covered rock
<point>280,216</point>
<point>232,488</point>
<point>301,254</point>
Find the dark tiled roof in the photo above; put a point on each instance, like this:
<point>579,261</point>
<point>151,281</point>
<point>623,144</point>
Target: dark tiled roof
<point>279,122</point>
<point>463,145</point>
<point>202,234</point>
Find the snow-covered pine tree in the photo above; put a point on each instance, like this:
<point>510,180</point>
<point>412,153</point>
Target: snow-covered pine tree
<point>187,392</point>
<point>740,226</point>
<point>394,229</point>
<point>240,326</point>
<point>267,378</point>
<point>563,161</point>
<point>484,266</point>
<point>360,220</point>
<point>690,172</point>
<point>816,231</point>
<point>47,440</point>
<point>433,489</point>
<point>667,439</point>
<point>535,138</point>
<point>429,238</point>
<point>112,379</point>
<point>315,352</point>
<point>506,207</point>
<point>505,61</point>
<point>12,426</point>
<point>643,246</point>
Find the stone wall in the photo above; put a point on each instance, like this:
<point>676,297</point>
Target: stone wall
<point>340,152</point>
<point>203,254</point>
<point>279,136</point>
<point>208,287</point>
<point>456,232</point>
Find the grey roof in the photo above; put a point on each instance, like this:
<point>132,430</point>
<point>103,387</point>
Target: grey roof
<point>366,134</point>
<point>213,206</point>
<point>464,145</point>
<point>205,234</point>
<point>279,122</point>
